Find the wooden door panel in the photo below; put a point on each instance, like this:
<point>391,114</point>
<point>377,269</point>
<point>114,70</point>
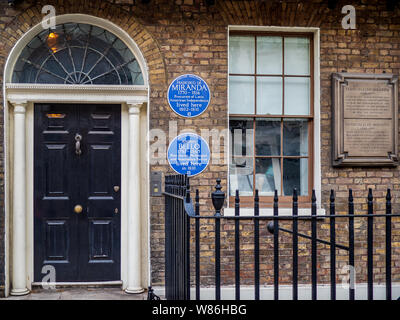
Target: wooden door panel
<point>100,240</point>
<point>101,122</point>
<point>57,240</point>
<point>56,120</point>
<point>101,172</point>
<point>55,157</point>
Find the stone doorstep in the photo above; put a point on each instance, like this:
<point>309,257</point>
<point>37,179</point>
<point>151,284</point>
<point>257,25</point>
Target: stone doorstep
<point>79,293</point>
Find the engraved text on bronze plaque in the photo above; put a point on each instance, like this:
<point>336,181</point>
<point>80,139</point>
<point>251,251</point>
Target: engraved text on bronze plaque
<point>365,119</point>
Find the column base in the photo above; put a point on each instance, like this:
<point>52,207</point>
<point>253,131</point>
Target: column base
<point>19,292</point>
<point>134,290</point>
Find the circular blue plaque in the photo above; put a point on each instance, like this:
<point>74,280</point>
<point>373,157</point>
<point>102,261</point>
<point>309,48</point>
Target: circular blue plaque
<point>188,154</point>
<point>188,95</point>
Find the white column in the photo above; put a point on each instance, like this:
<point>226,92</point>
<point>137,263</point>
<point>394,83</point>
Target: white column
<point>19,278</point>
<point>134,235</point>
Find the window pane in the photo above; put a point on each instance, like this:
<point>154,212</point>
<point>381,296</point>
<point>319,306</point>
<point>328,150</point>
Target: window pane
<point>295,175</point>
<point>241,95</point>
<point>269,55</point>
<point>295,137</point>
<point>241,137</point>
<point>268,176</point>
<point>241,54</point>
<point>241,176</point>
<point>297,96</point>
<point>297,56</point>
<point>268,137</point>
<point>269,95</point>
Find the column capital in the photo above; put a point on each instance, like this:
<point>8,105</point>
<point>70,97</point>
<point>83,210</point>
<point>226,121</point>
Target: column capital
<point>19,105</point>
<point>19,102</point>
<point>134,106</point>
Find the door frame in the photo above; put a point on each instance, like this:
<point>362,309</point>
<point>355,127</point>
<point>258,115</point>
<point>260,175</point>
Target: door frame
<point>19,100</point>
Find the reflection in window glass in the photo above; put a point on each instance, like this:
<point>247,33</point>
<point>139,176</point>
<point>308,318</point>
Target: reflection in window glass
<point>241,176</point>
<point>241,54</point>
<point>295,175</point>
<point>241,95</point>
<point>269,95</point>
<point>297,96</point>
<point>295,137</point>
<point>268,176</point>
<point>297,56</point>
<point>268,137</point>
<point>241,137</point>
<point>269,55</point>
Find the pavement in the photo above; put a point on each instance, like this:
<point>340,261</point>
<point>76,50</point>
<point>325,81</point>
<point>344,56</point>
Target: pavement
<point>80,293</point>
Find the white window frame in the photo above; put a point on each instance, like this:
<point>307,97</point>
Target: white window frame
<point>317,118</point>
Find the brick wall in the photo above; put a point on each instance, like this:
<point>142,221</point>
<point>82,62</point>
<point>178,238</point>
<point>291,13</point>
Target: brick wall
<point>186,36</point>
<point>194,40</point>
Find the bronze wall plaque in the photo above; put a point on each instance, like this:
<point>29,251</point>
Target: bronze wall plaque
<point>365,119</point>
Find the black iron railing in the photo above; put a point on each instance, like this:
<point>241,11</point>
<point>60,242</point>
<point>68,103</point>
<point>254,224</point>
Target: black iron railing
<point>179,210</point>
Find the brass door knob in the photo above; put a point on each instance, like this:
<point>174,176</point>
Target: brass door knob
<point>78,208</point>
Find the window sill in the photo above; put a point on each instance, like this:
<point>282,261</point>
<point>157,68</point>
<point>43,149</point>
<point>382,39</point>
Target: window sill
<point>248,212</point>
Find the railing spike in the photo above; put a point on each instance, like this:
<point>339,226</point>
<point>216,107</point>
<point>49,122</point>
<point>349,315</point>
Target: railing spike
<point>388,195</point>
<point>332,196</point>
<point>237,203</point>
<point>350,195</point>
<point>370,197</point>
<point>276,196</point>
<point>295,194</point>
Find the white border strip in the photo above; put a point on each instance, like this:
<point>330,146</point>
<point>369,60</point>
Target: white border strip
<point>285,292</point>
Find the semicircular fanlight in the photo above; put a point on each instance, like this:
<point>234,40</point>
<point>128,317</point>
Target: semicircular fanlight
<point>77,54</point>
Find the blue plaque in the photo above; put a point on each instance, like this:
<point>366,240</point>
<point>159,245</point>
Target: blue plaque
<point>188,95</point>
<point>188,154</point>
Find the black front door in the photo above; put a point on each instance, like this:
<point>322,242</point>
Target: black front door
<point>77,196</point>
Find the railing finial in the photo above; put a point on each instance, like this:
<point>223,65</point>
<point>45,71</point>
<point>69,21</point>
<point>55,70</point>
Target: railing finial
<point>295,195</point>
<point>370,194</point>
<point>350,195</point>
<point>218,198</point>
<point>332,196</point>
<point>313,196</point>
<point>388,195</point>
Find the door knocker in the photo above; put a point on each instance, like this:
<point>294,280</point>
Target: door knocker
<point>78,139</point>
